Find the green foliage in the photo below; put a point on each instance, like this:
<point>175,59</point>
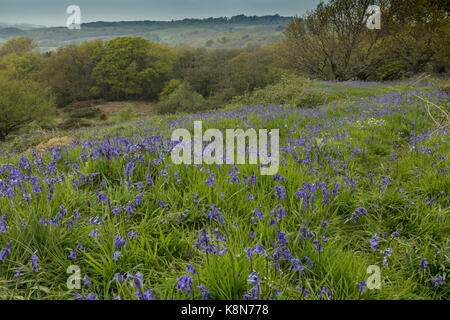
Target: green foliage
<point>290,90</point>
<point>21,66</point>
<point>133,68</point>
<point>74,123</point>
<point>333,43</point>
<point>220,75</point>
<point>68,71</point>
<point>84,112</point>
<point>416,37</point>
<point>414,203</point>
<point>126,113</point>
<point>19,60</point>
<point>17,45</point>
<point>183,99</point>
<point>21,102</point>
<point>169,88</point>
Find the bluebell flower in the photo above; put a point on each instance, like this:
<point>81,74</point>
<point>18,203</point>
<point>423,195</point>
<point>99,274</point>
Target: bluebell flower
<point>132,235</point>
<point>146,295</point>
<point>211,181</point>
<point>362,286</point>
<point>72,255</point>
<point>309,262</point>
<point>184,284</point>
<point>5,251</point>
<point>324,291</point>
<point>86,281</point>
<point>138,280</point>
<point>17,273</point>
<point>304,292</point>
<point>118,277</point>
<point>206,294</point>
<point>280,192</point>
<point>34,261</point>
<point>437,281</point>
<point>423,263</point>
<point>191,269</point>
<point>254,280</point>
<point>90,296</point>
<point>259,249</point>
<point>374,242</point>
<point>119,242</point>
<point>161,204</point>
<point>101,197</point>
<point>387,252</point>
<point>116,255</point>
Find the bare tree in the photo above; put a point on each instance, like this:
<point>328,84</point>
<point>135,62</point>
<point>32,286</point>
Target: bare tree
<point>333,41</point>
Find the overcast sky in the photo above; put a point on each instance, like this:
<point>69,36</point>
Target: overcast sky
<point>53,12</point>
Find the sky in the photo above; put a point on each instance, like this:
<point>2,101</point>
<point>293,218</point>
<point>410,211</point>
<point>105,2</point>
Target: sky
<point>53,12</point>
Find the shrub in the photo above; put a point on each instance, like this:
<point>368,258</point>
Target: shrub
<point>292,90</point>
<point>183,99</point>
<point>83,109</point>
<point>90,112</point>
<point>170,87</point>
<point>21,102</point>
<point>74,123</point>
<point>126,113</point>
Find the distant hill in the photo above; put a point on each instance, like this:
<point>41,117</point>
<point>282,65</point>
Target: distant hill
<point>22,26</point>
<point>234,32</point>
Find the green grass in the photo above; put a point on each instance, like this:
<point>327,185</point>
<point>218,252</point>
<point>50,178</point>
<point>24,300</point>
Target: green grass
<point>323,144</point>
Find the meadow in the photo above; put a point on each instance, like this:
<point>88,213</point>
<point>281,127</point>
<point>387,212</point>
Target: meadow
<point>363,181</point>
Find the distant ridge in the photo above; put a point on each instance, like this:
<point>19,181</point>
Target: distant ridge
<point>22,26</point>
<point>11,31</point>
<point>239,19</point>
<point>223,32</point>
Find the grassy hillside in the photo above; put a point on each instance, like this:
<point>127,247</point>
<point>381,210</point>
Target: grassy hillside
<point>363,181</point>
<point>235,32</point>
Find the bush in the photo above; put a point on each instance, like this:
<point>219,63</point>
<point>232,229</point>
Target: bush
<point>133,68</point>
<point>90,112</point>
<point>126,113</point>
<point>170,87</point>
<point>291,90</point>
<point>22,102</point>
<point>74,123</point>
<point>183,99</point>
<point>83,109</point>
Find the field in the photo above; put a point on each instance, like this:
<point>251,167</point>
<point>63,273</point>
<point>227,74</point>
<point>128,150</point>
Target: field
<point>363,181</point>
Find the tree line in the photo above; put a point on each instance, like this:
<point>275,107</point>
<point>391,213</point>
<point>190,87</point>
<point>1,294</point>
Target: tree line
<point>132,68</point>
